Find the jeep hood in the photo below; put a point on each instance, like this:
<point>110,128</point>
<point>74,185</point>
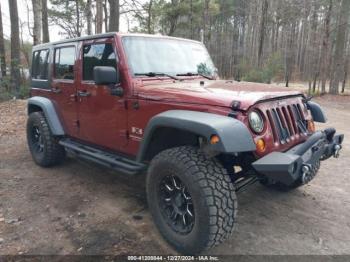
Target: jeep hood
<point>210,92</point>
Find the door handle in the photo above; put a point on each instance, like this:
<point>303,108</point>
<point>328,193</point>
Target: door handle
<point>56,90</point>
<point>84,93</point>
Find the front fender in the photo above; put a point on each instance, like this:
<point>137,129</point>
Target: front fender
<point>316,111</point>
<point>49,111</point>
<point>234,135</point>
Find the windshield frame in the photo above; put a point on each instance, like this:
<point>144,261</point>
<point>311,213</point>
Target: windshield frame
<point>135,75</point>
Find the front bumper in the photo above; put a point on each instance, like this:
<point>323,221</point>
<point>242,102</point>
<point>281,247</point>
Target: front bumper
<point>302,161</point>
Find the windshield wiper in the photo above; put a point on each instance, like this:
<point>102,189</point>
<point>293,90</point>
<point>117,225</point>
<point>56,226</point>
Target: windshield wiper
<point>195,74</point>
<point>153,74</point>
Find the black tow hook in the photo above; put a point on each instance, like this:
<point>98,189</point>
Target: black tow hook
<point>309,172</point>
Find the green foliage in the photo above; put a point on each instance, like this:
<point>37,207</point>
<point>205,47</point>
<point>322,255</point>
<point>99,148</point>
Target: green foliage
<point>64,14</point>
<point>271,69</point>
<point>24,90</point>
<point>6,93</point>
<point>202,68</point>
<point>256,75</point>
<point>153,14</point>
<point>174,17</point>
<point>315,93</point>
<point>5,89</point>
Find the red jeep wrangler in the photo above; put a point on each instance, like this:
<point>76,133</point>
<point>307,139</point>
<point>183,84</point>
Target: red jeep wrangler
<point>152,104</point>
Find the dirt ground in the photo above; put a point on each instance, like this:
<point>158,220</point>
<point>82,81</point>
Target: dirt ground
<point>81,208</point>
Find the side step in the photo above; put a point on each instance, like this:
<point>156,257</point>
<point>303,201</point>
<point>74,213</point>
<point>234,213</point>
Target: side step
<point>114,161</point>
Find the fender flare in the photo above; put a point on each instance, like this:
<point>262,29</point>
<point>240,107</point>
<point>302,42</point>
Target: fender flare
<point>316,111</point>
<point>234,135</point>
<point>49,111</point>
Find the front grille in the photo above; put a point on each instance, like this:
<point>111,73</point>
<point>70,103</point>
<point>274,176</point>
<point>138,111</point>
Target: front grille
<point>286,122</point>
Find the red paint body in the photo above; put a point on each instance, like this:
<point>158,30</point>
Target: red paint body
<point>108,121</point>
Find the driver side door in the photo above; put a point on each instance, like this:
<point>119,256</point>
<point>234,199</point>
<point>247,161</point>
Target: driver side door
<point>102,116</point>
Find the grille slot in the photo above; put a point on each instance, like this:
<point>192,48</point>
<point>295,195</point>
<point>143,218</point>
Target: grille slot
<point>286,122</point>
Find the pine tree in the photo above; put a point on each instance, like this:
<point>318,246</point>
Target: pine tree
<point>2,48</point>
<point>15,47</point>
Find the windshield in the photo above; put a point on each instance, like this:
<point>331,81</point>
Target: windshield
<point>170,56</point>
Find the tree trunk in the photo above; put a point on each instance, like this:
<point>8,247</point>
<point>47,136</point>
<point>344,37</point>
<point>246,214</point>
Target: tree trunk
<point>2,48</point>
<point>105,12</point>
<point>313,48</point>
<point>37,15</point>
<point>23,51</point>
<point>206,20</point>
<point>346,69</point>
<point>338,69</point>
<point>288,54</point>
<point>99,16</point>
<point>77,12</point>
<point>344,80</point>
<point>88,15</point>
<point>15,47</point>
<point>191,19</point>
<point>325,48</point>
<point>262,31</point>
<point>149,17</point>
<point>304,39</point>
<point>113,16</point>
<point>45,22</point>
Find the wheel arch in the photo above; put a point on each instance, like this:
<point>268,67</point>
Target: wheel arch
<point>316,111</point>
<point>45,105</point>
<point>183,127</point>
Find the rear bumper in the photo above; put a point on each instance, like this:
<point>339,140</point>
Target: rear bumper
<point>302,161</point>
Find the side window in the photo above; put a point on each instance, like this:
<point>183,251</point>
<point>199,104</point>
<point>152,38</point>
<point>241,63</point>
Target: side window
<point>40,66</point>
<point>97,55</point>
<point>64,62</point>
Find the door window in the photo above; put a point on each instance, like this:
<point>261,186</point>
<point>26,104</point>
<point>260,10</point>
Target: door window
<point>40,65</point>
<point>64,63</point>
<point>97,55</point>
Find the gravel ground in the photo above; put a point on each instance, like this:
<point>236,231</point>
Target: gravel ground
<point>81,208</point>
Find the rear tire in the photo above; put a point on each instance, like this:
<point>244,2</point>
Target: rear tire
<point>43,146</point>
<point>198,192</point>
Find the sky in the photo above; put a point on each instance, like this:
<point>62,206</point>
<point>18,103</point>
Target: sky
<point>55,31</point>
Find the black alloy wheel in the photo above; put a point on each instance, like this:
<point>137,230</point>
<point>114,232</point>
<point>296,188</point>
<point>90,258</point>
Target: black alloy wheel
<point>43,145</point>
<point>191,198</point>
<point>37,140</point>
<point>177,206</point>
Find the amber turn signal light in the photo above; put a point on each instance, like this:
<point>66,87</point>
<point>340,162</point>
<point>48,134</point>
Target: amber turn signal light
<point>260,145</point>
<point>214,139</point>
<point>311,126</point>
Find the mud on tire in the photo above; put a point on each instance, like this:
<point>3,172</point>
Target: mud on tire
<point>207,185</point>
<point>42,144</point>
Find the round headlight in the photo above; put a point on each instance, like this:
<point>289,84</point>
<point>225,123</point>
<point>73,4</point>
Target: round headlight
<point>256,122</point>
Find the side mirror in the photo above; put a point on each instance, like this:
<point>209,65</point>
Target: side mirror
<point>105,75</point>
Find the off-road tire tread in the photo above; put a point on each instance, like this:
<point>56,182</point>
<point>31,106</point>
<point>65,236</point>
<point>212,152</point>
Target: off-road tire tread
<point>214,181</point>
<point>54,152</point>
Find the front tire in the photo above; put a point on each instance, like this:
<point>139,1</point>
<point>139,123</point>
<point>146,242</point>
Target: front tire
<point>43,146</point>
<point>191,199</point>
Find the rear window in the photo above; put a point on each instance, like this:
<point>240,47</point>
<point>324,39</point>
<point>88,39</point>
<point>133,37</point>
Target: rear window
<point>97,55</point>
<point>64,63</point>
<point>40,67</point>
